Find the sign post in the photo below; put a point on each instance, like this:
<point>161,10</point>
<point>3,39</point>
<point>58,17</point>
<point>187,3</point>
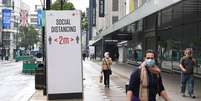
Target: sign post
<point>64,63</point>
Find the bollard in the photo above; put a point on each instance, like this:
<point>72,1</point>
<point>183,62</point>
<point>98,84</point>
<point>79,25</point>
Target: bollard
<point>126,88</point>
<point>39,77</point>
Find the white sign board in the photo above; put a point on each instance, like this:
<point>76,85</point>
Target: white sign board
<point>64,64</point>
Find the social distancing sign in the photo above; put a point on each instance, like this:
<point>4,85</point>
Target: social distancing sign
<point>64,63</point>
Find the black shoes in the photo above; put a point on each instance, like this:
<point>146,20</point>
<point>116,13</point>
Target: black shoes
<point>183,95</point>
<point>107,86</point>
<point>192,96</point>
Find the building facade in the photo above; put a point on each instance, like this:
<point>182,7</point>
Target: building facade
<point>108,12</point>
<point>166,26</point>
<point>8,34</point>
<point>33,21</point>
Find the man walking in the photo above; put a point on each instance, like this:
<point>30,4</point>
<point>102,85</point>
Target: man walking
<point>187,64</point>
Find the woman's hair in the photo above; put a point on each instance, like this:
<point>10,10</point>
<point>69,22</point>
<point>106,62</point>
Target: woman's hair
<point>155,55</point>
<point>150,51</point>
<point>187,51</point>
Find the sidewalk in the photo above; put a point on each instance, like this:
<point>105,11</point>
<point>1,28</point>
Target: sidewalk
<point>14,85</point>
<point>6,61</point>
<point>171,82</point>
<point>94,91</point>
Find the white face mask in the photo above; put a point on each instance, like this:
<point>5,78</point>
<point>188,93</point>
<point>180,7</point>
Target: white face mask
<point>107,56</point>
<point>150,62</point>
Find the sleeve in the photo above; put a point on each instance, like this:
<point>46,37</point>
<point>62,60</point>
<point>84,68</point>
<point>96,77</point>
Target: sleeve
<point>161,86</point>
<point>102,64</point>
<point>133,82</point>
<point>182,61</point>
<point>110,61</point>
<point>194,61</point>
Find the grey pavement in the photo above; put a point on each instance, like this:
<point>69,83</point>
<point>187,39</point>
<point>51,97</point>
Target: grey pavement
<point>171,82</point>
<point>14,85</point>
<point>95,91</point>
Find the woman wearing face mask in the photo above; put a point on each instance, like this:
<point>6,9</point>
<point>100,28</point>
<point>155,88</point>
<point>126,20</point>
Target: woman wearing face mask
<point>146,81</point>
<point>106,67</point>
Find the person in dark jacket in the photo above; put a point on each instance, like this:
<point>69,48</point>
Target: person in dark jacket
<point>146,81</point>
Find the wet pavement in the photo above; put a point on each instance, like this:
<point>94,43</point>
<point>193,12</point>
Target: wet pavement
<point>95,91</point>
<point>14,85</point>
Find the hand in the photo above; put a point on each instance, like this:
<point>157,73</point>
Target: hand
<point>143,64</point>
<point>194,61</point>
<point>155,70</point>
<point>184,70</point>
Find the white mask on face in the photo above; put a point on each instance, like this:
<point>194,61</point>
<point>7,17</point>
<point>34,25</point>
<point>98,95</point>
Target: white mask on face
<point>149,62</point>
<point>106,54</point>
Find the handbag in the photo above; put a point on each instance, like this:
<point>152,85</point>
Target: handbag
<point>109,69</point>
<point>101,78</point>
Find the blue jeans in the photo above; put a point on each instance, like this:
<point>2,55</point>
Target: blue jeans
<point>187,78</point>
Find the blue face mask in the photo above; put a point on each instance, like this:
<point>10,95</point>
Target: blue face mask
<point>149,62</point>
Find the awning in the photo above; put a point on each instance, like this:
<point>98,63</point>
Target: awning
<point>147,9</point>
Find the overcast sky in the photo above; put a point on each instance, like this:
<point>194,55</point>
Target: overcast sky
<point>79,4</point>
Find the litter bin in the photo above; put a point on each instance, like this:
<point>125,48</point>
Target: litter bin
<point>39,76</point>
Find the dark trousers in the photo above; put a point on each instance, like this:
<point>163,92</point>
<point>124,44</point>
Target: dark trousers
<point>106,77</point>
<point>187,78</point>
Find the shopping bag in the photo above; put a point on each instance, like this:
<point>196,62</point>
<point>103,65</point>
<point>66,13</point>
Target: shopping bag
<point>101,78</point>
<point>110,71</point>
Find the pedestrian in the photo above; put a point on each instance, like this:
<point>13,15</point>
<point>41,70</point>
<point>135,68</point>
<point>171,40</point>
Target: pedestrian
<point>187,64</point>
<point>106,68</point>
<point>145,82</point>
<point>84,56</point>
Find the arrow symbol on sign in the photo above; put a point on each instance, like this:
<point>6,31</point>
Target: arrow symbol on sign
<point>50,40</point>
<point>77,39</point>
<point>71,39</point>
<point>56,40</point>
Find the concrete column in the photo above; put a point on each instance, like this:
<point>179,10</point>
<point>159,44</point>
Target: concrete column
<point>122,54</point>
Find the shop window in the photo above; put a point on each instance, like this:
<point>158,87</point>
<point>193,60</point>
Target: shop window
<point>166,16</point>
<point>199,9</point>
<point>190,34</point>
<point>177,14</point>
<point>150,22</point>
<point>190,10</point>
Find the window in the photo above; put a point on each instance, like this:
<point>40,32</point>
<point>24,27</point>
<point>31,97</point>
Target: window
<point>191,11</point>
<point>6,2</point>
<point>15,24</point>
<point>6,36</point>
<point>150,22</point>
<point>33,19</point>
<point>115,5</point>
<point>114,19</point>
<point>166,16</point>
<point>177,14</point>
